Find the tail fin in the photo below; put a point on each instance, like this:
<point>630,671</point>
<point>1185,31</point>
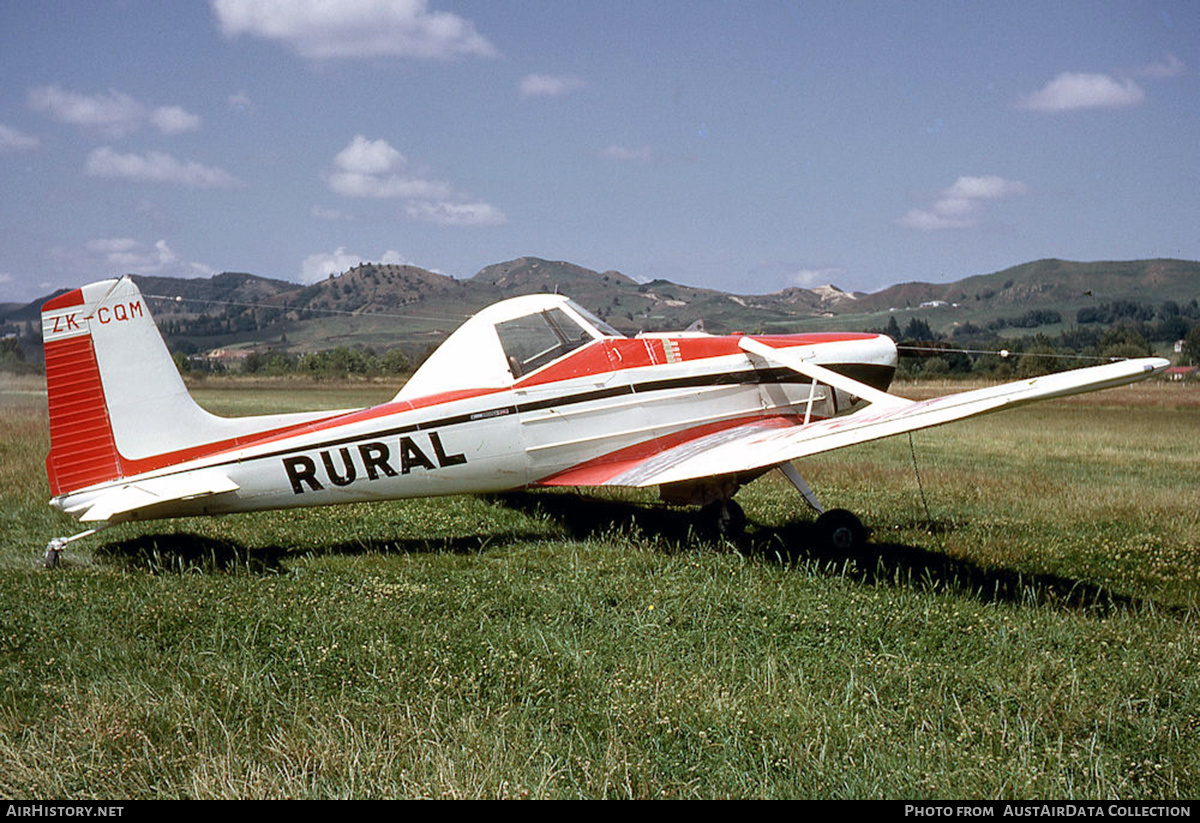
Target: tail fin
<point>118,406</point>
<point>115,395</point>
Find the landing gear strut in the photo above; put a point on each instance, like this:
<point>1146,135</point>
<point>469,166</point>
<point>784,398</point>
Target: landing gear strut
<point>52,559</point>
<point>720,515</point>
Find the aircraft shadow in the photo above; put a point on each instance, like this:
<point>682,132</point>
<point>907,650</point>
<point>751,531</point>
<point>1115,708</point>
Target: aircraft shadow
<point>879,562</point>
<point>664,528</point>
<point>179,552</point>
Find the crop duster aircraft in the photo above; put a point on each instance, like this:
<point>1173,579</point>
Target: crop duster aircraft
<point>529,392</point>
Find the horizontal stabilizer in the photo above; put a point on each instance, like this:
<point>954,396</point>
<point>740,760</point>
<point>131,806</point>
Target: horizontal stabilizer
<point>111,504</point>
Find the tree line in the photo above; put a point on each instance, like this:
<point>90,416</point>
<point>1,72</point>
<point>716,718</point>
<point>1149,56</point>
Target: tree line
<point>343,361</point>
<point>1119,329</point>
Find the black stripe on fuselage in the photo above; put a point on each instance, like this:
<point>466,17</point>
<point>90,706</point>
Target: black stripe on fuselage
<point>876,376</point>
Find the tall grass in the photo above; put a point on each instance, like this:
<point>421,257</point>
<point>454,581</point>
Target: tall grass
<point>1034,636</point>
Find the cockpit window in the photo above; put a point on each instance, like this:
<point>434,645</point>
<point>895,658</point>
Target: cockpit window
<point>534,340</point>
<point>601,326</point>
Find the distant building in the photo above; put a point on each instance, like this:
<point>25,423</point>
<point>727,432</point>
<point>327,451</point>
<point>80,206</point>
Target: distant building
<point>1180,373</point>
<point>220,360</point>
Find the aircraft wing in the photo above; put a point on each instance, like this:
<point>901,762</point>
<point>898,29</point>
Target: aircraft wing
<point>766,443</point>
<point>145,494</point>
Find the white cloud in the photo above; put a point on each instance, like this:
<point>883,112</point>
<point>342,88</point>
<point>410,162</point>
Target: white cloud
<point>549,85</point>
<point>114,114</point>
<point>818,276</point>
<point>331,215</point>
<point>12,140</point>
<point>174,120</point>
<point>962,205</point>
<point>446,213</point>
<point>351,184</point>
<point>240,101</point>
<point>984,188</point>
<point>157,167</point>
<point>317,267</point>
<point>1169,66</point>
<point>127,255</point>
<point>374,169</point>
<point>354,29</point>
<point>369,157</point>
<point>1070,91</point>
<point>640,154</point>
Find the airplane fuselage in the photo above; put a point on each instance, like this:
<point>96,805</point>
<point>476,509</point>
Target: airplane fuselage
<point>583,418</point>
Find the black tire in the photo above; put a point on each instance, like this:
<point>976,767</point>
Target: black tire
<point>723,518</point>
<point>841,531</point>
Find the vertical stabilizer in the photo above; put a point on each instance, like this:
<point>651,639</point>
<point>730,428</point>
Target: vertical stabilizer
<point>115,395</point>
<point>117,404</point>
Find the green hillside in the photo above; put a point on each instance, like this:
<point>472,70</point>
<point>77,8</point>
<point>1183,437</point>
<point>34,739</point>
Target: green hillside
<point>392,306</point>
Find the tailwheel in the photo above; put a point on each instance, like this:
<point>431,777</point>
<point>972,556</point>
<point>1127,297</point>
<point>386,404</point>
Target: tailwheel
<point>841,530</point>
<point>723,518</point>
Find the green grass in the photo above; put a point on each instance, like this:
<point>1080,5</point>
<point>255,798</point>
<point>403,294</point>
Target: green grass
<point>1033,636</point>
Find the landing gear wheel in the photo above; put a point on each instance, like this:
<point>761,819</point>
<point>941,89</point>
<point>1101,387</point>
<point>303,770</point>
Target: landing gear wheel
<point>841,530</point>
<point>52,559</point>
<point>723,518</point>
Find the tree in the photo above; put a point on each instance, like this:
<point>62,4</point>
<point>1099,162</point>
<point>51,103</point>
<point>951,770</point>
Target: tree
<point>1124,341</point>
<point>1037,361</point>
<point>12,356</point>
<point>394,361</point>
<point>918,329</point>
<point>1039,358</point>
<point>1191,345</point>
<point>935,367</point>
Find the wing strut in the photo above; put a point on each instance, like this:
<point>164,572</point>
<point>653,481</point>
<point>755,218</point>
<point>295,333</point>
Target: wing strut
<point>797,363</point>
<point>793,475</point>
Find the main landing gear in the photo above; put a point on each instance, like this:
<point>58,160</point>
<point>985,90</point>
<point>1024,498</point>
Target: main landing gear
<point>837,529</point>
<point>723,518</point>
<point>841,530</point>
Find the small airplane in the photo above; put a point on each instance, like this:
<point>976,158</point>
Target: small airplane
<point>533,391</point>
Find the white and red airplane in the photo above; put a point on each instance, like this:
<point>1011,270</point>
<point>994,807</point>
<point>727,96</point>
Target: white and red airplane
<point>532,391</point>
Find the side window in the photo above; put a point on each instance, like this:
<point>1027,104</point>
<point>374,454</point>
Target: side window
<point>532,341</point>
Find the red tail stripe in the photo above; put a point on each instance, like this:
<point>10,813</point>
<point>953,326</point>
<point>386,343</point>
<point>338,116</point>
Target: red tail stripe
<point>71,298</point>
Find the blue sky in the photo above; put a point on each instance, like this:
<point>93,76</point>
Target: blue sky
<point>743,146</point>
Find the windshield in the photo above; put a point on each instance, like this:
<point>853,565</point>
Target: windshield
<point>534,340</point>
<point>601,326</point>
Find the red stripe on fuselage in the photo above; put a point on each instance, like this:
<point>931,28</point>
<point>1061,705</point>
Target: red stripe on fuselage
<point>599,471</point>
<point>130,467</point>
<point>616,353</point>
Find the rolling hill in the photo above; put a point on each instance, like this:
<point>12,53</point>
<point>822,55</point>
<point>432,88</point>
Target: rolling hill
<point>386,306</point>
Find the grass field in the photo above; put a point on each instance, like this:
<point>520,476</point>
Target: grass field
<point>1024,624</point>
